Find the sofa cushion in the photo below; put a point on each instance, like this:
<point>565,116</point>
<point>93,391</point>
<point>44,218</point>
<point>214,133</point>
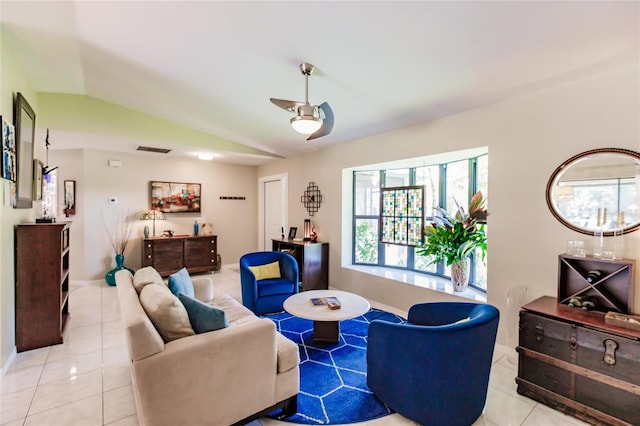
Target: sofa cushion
<point>144,276</point>
<point>264,272</point>
<point>235,311</point>
<point>166,312</point>
<point>180,282</point>
<point>276,286</point>
<point>288,353</point>
<point>203,317</point>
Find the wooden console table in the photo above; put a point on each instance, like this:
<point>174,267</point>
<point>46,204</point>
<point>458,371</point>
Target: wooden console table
<point>170,254</point>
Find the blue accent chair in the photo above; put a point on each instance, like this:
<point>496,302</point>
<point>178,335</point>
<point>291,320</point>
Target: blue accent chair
<point>266,296</point>
<point>434,369</point>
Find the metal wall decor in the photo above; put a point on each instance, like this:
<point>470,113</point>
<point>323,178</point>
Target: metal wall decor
<point>311,198</point>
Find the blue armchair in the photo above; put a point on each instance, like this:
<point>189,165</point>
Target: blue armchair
<point>435,368</point>
<point>267,295</point>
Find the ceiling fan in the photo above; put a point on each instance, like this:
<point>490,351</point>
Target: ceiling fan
<point>313,120</point>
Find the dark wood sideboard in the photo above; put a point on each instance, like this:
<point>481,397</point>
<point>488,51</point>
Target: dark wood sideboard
<point>313,262</point>
<point>42,284</point>
<point>571,360</point>
<point>170,254</point>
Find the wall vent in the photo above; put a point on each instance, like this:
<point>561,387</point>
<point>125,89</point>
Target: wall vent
<point>152,149</point>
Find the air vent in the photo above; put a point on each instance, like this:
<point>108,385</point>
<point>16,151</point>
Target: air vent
<point>152,149</point>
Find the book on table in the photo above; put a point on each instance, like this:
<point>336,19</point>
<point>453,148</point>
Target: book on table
<point>331,301</point>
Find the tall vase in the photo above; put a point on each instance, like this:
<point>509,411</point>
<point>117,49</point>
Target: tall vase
<point>110,277</point>
<point>460,274</point>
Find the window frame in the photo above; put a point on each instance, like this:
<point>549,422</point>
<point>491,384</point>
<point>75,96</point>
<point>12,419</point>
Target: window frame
<point>472,186</point>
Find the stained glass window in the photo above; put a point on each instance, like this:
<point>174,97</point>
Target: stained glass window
<point>401,220</point>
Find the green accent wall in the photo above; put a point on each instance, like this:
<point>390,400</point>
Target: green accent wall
<point>86,114</point>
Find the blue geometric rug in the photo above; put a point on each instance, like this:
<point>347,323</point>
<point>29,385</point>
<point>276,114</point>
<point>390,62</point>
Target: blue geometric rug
<point>333,378</point>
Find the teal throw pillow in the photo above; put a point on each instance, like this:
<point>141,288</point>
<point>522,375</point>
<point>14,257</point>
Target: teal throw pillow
<point>203,317</point>
<point>180,282</point>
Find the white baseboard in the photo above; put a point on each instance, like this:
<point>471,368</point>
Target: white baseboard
<point>10,359</point>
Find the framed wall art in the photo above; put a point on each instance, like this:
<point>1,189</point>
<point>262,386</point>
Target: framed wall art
<point>25,135</point>
<point>8,151</point>
<point>175,197</point>
<point>69,197</point>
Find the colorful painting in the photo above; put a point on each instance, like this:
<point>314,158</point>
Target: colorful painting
<point>8,159</point>
<point>175,197</point>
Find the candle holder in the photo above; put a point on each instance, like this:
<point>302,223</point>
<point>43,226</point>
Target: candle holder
<point>598,241</point>
<point>307,230</point>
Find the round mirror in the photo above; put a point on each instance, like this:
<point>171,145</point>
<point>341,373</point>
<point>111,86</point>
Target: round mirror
<point>597,190</point>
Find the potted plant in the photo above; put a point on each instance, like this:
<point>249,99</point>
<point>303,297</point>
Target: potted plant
<point>453,238</point>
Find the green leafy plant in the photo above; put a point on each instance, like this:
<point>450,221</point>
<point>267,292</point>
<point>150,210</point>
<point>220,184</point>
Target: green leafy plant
<point>454,237</point>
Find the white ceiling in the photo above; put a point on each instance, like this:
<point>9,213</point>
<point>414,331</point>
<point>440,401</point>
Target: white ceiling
<point>381,65</point>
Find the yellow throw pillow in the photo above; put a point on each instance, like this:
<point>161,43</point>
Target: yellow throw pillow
<point>264,272</point>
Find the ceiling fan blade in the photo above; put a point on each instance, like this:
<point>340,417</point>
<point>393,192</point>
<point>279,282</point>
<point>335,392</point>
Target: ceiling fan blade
<point>327,122</point>
<point>285,104</point>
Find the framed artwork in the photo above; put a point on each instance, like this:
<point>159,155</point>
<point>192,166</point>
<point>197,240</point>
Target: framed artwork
<point>292,232</point>
<point>175,197</point>
<point>37,180</point>
<point>25,135</point>
<point>69,197</point>
<point>8,151</point>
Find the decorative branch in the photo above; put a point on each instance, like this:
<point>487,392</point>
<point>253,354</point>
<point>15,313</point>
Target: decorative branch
<point>119,237</point>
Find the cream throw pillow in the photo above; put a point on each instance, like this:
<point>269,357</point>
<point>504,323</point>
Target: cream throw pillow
<point>264,272</point>
<point>144,276</point>
<point>166,312</point>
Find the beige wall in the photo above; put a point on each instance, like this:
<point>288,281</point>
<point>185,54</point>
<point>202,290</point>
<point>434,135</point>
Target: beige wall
<point>234,221</point>
<point>528,138</point>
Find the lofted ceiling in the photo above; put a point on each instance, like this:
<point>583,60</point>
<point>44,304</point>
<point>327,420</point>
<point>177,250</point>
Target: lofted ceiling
<point>212,66</point>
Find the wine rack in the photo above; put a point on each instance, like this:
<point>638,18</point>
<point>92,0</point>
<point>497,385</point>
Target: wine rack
<point>612,290</point>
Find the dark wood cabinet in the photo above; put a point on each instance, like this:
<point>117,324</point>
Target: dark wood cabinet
<point>313,262</point>
<point>170,254</point>
<point>573,361</point>
<point>42,284</point>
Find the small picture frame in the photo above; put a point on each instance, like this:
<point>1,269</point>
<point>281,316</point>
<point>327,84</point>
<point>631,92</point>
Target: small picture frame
<point>69,197</point>
<point>292,232</point>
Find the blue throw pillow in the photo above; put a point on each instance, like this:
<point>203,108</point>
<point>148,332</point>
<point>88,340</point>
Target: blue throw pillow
<point>203,317</point>
<point>180,282</point>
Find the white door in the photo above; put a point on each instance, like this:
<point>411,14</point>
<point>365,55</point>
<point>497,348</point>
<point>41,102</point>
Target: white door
<point>273,211</point>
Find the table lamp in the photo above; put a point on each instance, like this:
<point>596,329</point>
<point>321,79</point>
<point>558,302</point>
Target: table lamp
<point>152,215</point>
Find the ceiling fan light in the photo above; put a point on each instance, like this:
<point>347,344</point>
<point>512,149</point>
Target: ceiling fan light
<point>306,124</point>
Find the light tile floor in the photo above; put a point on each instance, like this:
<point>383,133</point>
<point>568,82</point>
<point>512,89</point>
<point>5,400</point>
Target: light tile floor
<point>85,381</point>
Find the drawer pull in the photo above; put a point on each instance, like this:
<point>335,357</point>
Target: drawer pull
<point>148,256</point>
<point>573,343</point>
<point>610,347</point>
<point>539,333</point>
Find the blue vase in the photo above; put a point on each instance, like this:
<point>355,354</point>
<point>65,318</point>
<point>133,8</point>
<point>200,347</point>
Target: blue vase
<point>110,277</point>
<point>196,228</point>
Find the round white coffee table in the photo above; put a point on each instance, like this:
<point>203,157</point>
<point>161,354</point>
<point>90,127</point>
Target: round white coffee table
<point>326,322</point>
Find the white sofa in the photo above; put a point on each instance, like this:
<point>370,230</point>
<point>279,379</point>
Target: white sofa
<point>223,377</point>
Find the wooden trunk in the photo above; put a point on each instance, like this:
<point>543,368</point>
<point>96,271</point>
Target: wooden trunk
<point>573,361</point>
